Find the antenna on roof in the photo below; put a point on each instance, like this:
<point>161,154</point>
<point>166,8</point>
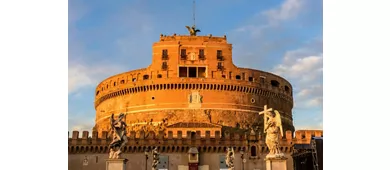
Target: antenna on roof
<point>193,12</point>
<point>193,29</point>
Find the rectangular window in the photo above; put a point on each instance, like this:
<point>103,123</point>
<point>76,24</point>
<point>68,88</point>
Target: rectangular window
<point>182,71</point>
<point>164,66</point>
<point>219,53</point>
<point>192,72</point>
<point>219,66</point>
<point>183,53</point>
<point>201,54</point>
<point>165,54</point>
<point>202,72</point>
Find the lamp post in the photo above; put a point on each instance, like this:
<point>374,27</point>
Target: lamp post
<point>242,158</point>
<point>146,158</point>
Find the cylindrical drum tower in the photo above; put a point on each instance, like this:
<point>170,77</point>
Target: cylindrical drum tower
<point>192,80</point>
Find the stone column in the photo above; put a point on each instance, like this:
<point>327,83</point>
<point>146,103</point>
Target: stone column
<point>116,164</point>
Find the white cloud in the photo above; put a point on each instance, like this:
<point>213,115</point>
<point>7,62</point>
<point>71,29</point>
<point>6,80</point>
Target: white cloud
<point>268,32</point>
<point>89,66</point>
<point>303,68</point>
<point>314,102</point>
<point>80,75</point>
<point>271,18</point>
<point>288,10</point>
<point>306,68</point>
<point>312,90</point>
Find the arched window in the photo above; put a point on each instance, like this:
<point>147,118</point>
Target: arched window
<point>287,89</point>
<point>275,83</point>
<point>262,79</point>
<point>253,150</point>
<point>193,135</point>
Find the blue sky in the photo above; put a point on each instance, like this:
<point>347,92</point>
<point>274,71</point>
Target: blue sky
<point>279,36</point>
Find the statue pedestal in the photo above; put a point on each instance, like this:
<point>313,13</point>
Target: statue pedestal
<point>116,164</point>
<point>276,163</point>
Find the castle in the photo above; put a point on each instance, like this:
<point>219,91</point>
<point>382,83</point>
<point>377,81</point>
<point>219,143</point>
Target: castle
<point>192,103</point>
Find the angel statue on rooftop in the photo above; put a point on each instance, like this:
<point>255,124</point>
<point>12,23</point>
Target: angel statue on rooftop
<point>119,138</point>
<point>192,30</point>
<point>274,131</point>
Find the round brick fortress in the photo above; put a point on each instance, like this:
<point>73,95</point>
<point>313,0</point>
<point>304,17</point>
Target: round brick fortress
<point>192,79</point>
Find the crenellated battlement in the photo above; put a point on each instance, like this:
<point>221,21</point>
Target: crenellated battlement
<point>168,142</point>
<point>304,136</point>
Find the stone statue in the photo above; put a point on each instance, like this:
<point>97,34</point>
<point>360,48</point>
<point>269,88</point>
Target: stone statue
<point>85,161</point>
<point>156,159</point>
<point>119,138</point>
<point>195,97</point>
<point>274,131</point>
<point>192,30</point>
<point>230,158</point>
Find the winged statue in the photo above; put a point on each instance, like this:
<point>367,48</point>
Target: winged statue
<point>156,159</point>
<point>230,158</point>
<point>192,30</point>
<point>278,122</point>
<point>274,130</point>
<point>119,140</point>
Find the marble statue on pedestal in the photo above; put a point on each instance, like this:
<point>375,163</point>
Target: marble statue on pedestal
<point>230,158</point>
<point>119,138</point>
<point>156,159</point>
<point>274,131</point>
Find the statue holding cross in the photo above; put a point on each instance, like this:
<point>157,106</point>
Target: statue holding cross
<point>274,130</point>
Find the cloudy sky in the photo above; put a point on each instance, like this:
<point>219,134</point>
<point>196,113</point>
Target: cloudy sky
<point>279,36</point>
